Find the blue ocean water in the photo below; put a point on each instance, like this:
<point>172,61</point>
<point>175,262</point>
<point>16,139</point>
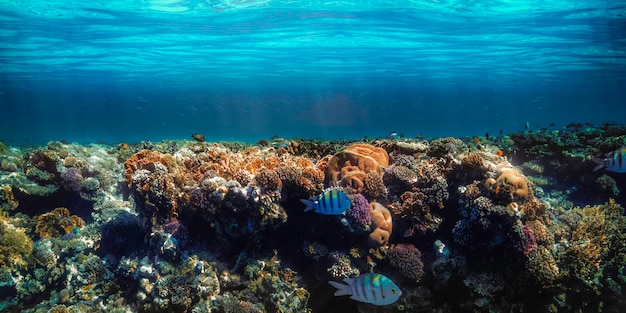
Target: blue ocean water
<point>126,71</point>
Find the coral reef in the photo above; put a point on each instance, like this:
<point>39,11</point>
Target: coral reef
<point>508,223</point>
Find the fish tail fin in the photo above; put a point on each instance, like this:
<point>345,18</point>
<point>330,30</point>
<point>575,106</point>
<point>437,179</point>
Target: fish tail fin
<point>342,289</point>
<point>308,203</point>
<point>599,164</point>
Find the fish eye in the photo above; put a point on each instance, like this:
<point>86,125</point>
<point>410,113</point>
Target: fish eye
<point>393,291</point>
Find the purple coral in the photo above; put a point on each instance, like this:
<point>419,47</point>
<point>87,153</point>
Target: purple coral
<point>407,259</point>
<point>360,210</point>
<point>72,179</point>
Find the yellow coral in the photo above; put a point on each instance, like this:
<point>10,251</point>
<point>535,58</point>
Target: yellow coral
<point>15,245</point>
<point>594,240</point>
<point>7,200</point>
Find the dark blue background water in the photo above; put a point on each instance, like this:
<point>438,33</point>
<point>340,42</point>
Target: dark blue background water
<point>247,70</point>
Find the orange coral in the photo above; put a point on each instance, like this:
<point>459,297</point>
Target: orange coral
<point>350,165</point>
<point>382,224</point>
<point>512,177</point>
<point>145,159</point>
<point>50,224</point>
<point>510,184</point>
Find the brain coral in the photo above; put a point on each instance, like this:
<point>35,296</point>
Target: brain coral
<point>350,166</point>
<point>57,222</point>
<point>512,179</point>
<point>381,223</point>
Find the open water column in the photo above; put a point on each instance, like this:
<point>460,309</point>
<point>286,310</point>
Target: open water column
<point>245,70</point>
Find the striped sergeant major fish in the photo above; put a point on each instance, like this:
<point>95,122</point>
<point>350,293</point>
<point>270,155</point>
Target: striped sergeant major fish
<point>330,202</point>
<point>614,162</point>
<point>371,288</point>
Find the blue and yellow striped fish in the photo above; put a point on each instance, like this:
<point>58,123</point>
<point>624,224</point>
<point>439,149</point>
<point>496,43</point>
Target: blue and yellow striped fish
<point>330,202</point>
<point>371,288</point>
<point>614,162</point>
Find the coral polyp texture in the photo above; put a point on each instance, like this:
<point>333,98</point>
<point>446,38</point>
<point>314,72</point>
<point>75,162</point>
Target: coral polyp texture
<point>509,223</point>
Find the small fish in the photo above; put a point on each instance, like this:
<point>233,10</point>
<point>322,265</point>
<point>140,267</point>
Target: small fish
<point>198,137</point>
<point>614,161</point>
<point>393,135</point>
<point>279,142</point>
<point>371,288</point>
<point>330,202</point>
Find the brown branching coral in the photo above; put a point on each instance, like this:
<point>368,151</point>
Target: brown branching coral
<point>597,243</point>
<point>472,160</point>
<point>312,179</point>
<point>146,159</point>
<point>57,222</point>
<point>404,174</point>
<point>541,232</point>
<point>406,258</point>
<point>533,209</point>
<point>414,204</point>
<point>543,267</point>
<point>473,165</point>
<point>374,185</point>
<point>268,180</point>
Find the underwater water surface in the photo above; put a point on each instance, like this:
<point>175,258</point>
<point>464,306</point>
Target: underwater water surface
<point>244,70</point>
